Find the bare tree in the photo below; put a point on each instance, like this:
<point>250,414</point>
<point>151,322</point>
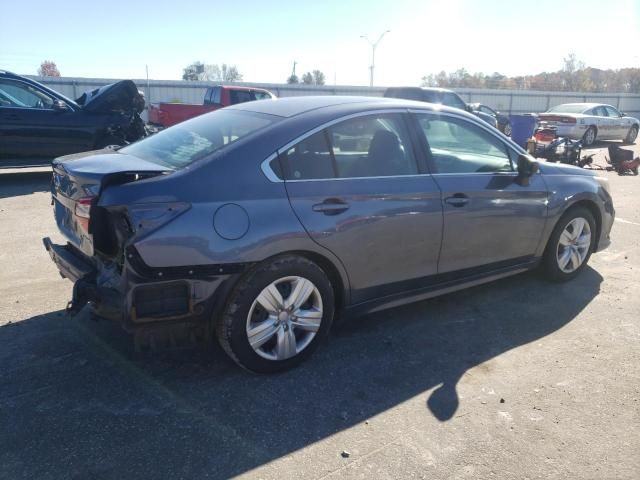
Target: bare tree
<point>212,72</point>
<point>318,77</point>
<point>48,69</point>
<point>307,78</point>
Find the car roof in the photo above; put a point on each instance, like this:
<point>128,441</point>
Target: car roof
<point>423,89</point>
<point>292,106</point>
<point>582,104</point>
<point>239,87</point>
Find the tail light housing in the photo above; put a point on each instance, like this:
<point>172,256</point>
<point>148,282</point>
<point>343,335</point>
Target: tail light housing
<point>83,211</point>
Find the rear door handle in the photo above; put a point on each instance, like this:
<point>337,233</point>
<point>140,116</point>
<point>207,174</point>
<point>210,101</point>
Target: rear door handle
<point>331,206</point>
<point>458,200</point>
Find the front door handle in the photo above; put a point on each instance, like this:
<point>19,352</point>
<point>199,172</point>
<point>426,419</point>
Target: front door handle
<point>458,200</point>
<point>331,206</point>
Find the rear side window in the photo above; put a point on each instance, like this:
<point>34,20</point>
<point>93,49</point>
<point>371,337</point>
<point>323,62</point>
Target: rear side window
<point>367,146</point>
<point>458,146</point>
<point>372,146</point>
<point>309,159</point>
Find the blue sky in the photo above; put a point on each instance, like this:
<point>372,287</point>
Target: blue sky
<point>99,39</point>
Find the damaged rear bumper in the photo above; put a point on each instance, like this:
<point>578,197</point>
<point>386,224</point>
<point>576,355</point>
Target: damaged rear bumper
<point>136,294</point>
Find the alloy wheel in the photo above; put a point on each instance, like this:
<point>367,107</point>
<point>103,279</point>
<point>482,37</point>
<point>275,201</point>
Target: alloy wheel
<point>284,318</point>
<point>573,246</point>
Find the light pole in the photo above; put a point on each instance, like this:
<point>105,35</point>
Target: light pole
<point>373,53</point>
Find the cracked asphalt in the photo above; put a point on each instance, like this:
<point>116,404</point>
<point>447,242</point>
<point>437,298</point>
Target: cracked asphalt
<point>515,379</point>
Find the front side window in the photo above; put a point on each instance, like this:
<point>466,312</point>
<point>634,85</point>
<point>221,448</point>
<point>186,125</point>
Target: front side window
<point>367,146</point>
<point>612,112</point>
<point>261,95</point>
<point>452,100</point>
<point>459,146</point>
<point>189,141</point>
<point>22,95</point>
<point>487,110</point>
<point>241,96</point>
<point>600,112</point>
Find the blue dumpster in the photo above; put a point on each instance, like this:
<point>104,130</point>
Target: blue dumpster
<point>522,128</point>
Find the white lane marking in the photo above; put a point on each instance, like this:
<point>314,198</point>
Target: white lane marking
<point>622,220</point>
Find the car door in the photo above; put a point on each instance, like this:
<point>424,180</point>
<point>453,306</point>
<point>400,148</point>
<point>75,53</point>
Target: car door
<point>607,129</point>
<point>31,126</point>
<point>621,128</point>
<point>357,189</point>
<point>490,220</point>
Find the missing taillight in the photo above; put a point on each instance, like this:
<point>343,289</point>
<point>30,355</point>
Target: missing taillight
<point>83,211</point>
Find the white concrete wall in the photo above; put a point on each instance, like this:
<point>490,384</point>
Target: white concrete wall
<point>507,101</point>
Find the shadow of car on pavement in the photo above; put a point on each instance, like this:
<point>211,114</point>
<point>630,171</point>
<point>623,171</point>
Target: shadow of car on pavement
<point>75,402</point>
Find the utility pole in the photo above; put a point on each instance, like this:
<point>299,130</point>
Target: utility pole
<point>293,74</point>
<point>373,53</point>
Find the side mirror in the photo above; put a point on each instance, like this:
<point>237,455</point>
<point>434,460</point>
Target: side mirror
<point>59,106</point>
<point>526,168</point>
<point>468,108</point>
<point>622,114</point>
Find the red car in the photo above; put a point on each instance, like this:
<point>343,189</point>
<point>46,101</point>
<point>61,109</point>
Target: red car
<point>167,114</point>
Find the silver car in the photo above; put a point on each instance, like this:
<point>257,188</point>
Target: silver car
<point>588,121</point>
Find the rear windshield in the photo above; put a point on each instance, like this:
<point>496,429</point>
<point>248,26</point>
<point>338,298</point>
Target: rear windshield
<point>189,141</point>
<point>568,108</point>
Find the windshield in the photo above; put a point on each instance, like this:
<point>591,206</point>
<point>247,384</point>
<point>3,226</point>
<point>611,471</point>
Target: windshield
<point>189,141</point>
<point>568,108</point>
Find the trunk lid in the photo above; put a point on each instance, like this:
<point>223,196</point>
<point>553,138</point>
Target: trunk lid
<point>77,182</point>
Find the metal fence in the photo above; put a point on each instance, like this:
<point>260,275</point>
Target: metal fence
<point>507,101</point>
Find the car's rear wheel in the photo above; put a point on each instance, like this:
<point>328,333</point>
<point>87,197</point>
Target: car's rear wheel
<point>632,135</point>
<point>570,245</point>
<point>507,129</point>
<point>589,136</point>
<point>277,315</point>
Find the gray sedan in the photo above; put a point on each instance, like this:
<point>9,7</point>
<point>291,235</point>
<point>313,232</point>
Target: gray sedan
<point>260,222</point>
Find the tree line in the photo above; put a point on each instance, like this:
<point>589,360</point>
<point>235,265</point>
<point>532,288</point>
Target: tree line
<point>574,76</point>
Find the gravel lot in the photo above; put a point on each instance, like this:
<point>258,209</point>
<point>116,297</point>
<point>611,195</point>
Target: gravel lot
<point>515,379</point>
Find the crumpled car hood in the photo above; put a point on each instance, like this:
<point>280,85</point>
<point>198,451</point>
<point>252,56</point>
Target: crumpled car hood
<point>121,96</point>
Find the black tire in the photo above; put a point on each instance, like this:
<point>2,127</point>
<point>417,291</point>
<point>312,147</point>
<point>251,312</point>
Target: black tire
<point>632,135</point>
<point>550,266</point>
<point>231,327</point>
<point>586,137</point>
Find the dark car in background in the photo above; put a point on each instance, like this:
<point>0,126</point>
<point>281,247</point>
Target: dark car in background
<point>440,96</point>
<point>37,122</point>
<point>504,124</point>
<point>261,220</point>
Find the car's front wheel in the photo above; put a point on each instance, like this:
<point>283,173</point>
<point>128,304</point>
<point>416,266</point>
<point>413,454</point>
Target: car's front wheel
<point>570,245</point>
<point>277,315</point>
<point>632,135</point>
